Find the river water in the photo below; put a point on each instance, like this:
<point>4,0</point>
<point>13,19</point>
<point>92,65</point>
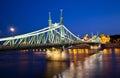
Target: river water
<point>28,64</point>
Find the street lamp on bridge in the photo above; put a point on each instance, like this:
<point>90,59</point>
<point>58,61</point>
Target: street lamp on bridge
<point>12,30</point>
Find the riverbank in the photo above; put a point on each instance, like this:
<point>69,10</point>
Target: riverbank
<point>111,45</point>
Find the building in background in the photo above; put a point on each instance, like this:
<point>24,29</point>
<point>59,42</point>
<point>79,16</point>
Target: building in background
<point>105,38</point>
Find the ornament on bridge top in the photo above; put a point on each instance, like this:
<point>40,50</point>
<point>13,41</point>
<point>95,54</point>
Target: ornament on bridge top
<point>86,37</point>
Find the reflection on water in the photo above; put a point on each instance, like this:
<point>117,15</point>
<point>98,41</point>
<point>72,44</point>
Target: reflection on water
<point>55,68</point>
<point>82,64</point>
<point>103,64</point>
<point>84,67</point>
<point>111,59</point>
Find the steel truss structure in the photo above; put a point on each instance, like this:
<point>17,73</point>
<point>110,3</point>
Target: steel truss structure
<point>55,33</point>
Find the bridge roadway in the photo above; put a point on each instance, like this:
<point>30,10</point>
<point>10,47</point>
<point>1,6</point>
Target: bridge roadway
<point>45,46</point>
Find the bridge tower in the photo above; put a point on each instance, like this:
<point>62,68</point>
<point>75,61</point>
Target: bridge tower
<point>61,18</point>
<point>49,20</point>
<point>61,29</point>
<point>51,35</point>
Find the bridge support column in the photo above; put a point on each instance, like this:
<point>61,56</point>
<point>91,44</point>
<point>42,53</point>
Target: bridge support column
<point>97,46</point>
<point>56,54</point>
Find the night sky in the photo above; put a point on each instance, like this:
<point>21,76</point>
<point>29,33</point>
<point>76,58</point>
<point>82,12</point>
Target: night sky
<point>80,16</point>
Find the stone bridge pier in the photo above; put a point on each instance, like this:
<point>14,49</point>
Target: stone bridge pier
<point>57,54</point>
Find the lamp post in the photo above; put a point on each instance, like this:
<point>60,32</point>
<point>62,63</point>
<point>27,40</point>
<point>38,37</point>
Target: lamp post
<point>12,30</point>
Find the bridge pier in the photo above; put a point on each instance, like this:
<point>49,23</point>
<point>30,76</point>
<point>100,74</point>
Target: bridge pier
<point>55,54</point>
<point>97,46</point>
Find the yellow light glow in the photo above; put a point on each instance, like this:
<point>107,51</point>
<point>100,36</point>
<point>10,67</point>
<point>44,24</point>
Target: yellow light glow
<point>75,51</point>
<point>117,50</point>
<point>105,39</point>
<point>105,51</point>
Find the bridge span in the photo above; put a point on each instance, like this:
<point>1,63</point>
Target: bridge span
<point>55,35</point>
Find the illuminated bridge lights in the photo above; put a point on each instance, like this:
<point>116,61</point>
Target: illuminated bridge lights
<point>54,34</point>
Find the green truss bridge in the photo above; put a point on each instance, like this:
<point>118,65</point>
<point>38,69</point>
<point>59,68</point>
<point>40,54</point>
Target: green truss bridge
<point>56,34</point>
